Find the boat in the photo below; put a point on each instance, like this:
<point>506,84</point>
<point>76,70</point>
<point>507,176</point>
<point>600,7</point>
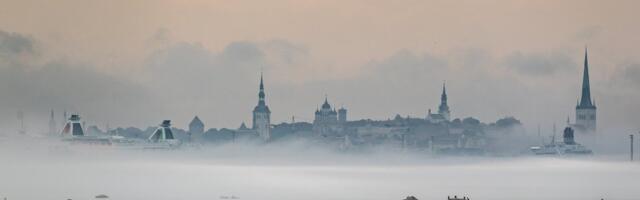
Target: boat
<point>162,138</point>
<point>567,147</point>
<point>73,132</point>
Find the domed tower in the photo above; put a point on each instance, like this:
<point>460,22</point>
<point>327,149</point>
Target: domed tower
<point>326,119</point>
<point>262,116</point>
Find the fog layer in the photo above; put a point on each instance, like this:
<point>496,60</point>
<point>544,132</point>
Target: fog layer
<point>52,170</point>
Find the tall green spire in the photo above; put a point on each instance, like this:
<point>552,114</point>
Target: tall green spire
<point>585,100</point>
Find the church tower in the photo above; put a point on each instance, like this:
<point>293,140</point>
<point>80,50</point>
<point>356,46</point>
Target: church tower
<point>262,116</point>
<point>586,108</point>
<point>443,109</point>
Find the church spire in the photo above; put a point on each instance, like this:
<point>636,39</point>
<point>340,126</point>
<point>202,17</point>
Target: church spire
<point>443,97</point>
<point>261,93</point>
<point>585,100</point>
<point>443,109</point>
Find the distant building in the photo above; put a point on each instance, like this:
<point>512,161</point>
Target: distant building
<point>435,117</point>
<point>243,127</point>
<point>586,107</point>
<point>196,129</point>
<point>262,116</point>
<point>246,133</point>
<point>443,115</point>
<point>53,126</point>
<point>326,119</point>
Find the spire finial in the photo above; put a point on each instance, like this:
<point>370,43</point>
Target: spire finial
<point>261,83</point>
<point>444,87</point>
<point>586,61</point>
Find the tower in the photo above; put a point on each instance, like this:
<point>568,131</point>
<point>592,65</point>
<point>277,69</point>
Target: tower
<point>586,108</point>
<point>342,115</point>
<point>262,116</point>
<point>196,128</point>
<point>53,129</point>
<point>443,109</point>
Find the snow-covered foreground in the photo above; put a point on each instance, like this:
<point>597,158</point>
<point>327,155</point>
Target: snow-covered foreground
<point>42,170</point>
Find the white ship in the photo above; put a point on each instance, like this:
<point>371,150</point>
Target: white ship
<point>567,147</point>
<point>73,131</point>
<point>162,138</point>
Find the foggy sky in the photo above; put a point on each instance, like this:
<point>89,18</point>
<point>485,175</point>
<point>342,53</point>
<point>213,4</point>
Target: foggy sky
<point>134,63</point>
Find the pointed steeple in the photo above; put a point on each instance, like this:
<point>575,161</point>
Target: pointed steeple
<point>585,100</point>
<point>443,97</point>
<point>261,93</point>
<point>261,82</point>
<point>443,109</point>
<point>262,106</point>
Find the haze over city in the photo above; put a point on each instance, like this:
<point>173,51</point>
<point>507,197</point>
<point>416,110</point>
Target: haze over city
<point>379,59</point>
<point>291,99</point>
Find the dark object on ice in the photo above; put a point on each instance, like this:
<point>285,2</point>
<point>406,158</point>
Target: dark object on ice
<point>456,198</point>
<point>102,196</point>
<point>410,198</point>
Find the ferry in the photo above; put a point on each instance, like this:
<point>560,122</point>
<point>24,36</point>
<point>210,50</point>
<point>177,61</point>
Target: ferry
<point>567,147</point>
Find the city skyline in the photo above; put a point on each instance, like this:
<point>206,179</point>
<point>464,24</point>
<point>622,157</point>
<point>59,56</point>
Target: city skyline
<point>319,99</point>
<point>209,63</point>
<point>585,101</point>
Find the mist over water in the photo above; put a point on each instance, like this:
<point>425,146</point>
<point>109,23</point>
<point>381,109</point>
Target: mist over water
<point>49,169</point>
